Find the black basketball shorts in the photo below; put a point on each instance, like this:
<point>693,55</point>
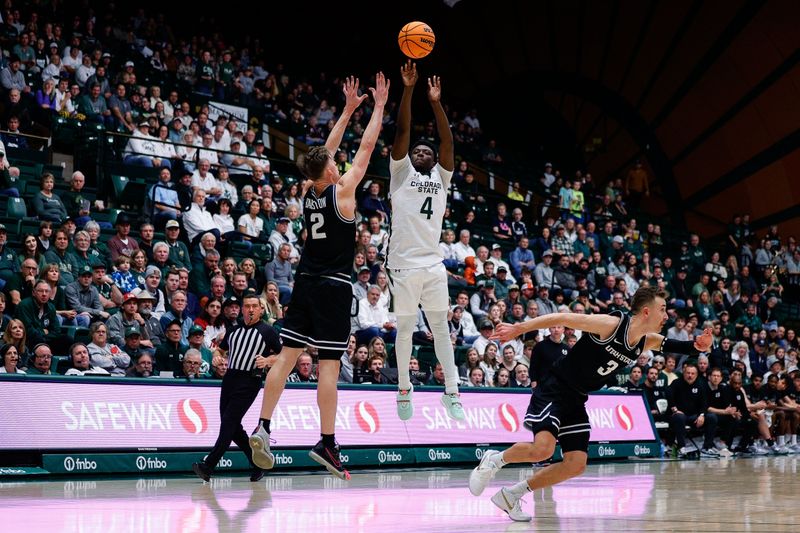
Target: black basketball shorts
<point>557,408</point>
<point>319,316</point>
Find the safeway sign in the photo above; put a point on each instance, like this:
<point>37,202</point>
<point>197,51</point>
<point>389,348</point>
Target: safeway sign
<point>81,415</point>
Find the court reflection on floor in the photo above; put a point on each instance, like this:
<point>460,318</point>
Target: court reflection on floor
<point>640,496</point>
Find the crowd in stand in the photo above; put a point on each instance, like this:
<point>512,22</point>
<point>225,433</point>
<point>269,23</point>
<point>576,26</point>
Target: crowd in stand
<point>160,297</point>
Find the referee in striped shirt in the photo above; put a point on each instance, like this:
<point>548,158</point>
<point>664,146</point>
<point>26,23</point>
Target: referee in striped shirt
<point>249,348</point>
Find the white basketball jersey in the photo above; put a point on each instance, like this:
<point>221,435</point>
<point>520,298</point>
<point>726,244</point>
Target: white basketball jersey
<point>418,204</point>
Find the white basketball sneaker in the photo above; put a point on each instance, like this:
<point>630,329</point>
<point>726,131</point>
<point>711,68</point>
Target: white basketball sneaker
<point>508,502</point>
<point>482,474</point>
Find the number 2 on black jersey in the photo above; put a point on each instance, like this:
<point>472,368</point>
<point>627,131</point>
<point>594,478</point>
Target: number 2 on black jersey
<point>427,207</point>
<point>317,220</point>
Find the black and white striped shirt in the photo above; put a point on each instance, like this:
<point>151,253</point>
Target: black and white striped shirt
<point>244,343</point>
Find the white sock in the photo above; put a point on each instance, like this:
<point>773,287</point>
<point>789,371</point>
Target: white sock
<point>520,489</point>
<point>794,439</point>
<point>402,349</point>
<point>444,349</point>
<point>499,461</point>
<point>781,440</point>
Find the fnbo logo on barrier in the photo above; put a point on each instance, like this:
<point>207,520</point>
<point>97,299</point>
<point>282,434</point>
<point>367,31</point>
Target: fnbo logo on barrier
<point>389,457</point>
<point>438,455</point>
<point>150,463</point>
<point>79,464</point>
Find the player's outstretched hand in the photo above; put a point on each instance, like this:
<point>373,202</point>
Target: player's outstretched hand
<point>434,89</point>
<point>409,73</point>
<point>351,97</point>
<point>505,332</point>
<point>381,91</point>
<point>703,342</point>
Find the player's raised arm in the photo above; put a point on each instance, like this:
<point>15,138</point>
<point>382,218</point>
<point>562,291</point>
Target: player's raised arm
<point>446,152</point>
<point>380,93</point>
<point>402,137</point>
<point>658,343</point>
<point>601,325</point>
<point>352,101</point>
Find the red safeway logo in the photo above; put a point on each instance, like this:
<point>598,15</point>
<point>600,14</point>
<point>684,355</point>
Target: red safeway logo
<point>508,417</point>
<point>367,417</point>
<point>624,417</point>
<point>192,416</point>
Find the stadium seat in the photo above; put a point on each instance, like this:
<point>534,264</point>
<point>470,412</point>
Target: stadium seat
<point>15,208</point>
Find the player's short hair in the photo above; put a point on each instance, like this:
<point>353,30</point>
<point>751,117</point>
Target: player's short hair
<point>644,296</point>
<point>428,144</point>
<point>313,164</point>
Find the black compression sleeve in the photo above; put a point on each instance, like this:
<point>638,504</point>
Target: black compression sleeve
<point>682,347</point>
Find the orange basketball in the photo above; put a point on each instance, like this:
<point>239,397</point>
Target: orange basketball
<point>416,40</point>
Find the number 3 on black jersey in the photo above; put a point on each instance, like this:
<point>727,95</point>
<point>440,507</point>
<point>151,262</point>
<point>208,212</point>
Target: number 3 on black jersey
<point>427,207</point>
<point>609,368</point>
<point>317,221</point>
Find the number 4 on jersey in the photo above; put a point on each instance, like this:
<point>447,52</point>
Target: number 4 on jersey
<point>427,207</point>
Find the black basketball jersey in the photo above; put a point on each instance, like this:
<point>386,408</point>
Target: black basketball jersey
<point>720,398</point>
<point>330,245</point>
<point>592,361</point>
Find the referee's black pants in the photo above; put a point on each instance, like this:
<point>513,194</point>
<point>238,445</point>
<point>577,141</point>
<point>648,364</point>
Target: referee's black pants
<point>239,391</point>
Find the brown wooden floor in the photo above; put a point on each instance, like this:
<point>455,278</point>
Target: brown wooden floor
<point>758,494</point>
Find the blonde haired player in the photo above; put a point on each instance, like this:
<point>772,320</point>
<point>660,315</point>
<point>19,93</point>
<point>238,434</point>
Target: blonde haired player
<point>418,190</point>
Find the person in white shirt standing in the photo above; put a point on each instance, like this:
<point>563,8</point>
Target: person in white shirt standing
<point>418,189</point>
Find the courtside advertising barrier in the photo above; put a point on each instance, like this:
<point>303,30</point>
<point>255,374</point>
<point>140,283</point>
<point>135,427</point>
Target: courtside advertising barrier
<point>166,424</point>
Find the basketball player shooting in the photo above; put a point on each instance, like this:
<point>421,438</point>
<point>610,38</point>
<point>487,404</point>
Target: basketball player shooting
<point>319,311</point>
<point>557,410</point>
<point>418,189</point>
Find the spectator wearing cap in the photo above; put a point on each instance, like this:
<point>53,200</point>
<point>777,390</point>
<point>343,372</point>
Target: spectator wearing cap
<point>151,328</point>
<point>54,70</point>
<point>122,243</point>
<point>486,329</point>
<point>132,343</point>
<point>258,157</point>
<point>281,235</point>
<point>170,353</point>
<point>279,270</point>
<point>178,251</point>
<point>127,317</point>
<point>496,257</point>
<point>561,243</point>
<point>544,303</point>
<point>196,341</point>
<point>521,257</point>
<point>501,283</point>
<point>152,284</point>
<point>543,274</point>
<point>83,297</point>
<point>143,149</point>
<point>11,77</point>
<point>361,285</point>
<point>480,302</point>
<point>231,309</point>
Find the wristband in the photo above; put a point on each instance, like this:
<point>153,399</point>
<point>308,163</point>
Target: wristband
<point>681,347</point>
